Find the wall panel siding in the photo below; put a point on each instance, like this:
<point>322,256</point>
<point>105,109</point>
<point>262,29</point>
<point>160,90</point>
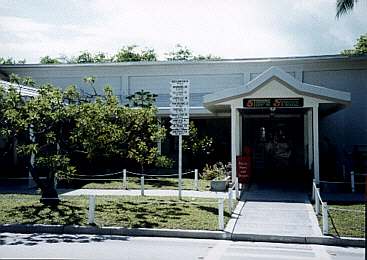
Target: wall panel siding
<point>199,83</point>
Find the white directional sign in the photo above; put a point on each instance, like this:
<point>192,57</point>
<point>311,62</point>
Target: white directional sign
<point>179,132</point>
<point>180,111</point>
<point>179,107</point>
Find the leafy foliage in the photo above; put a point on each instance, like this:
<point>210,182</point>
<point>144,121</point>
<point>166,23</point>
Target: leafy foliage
<point>64,127</point>
<point>131,53</point>
<point>198,147</point>
<point>183,53</point>
<point>195,144</point>
<point>11,60</point>
<point>26,81</point>
<point>142,98</point>
<point>49,60</point>
<point>216,171</point>
<point>125,54</point>
<point>360,48</point>
<point>344,6</point>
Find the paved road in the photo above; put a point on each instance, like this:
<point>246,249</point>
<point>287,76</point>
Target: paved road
<point>50,246</point>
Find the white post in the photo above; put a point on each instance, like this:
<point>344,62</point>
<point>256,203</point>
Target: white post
<point>230,200</point>
<point>325,219</point>
<point>196,180</point>
<point>92,206</point>
<point>352,181</point>
<point>180,166</point>
<point>317,201</point>
<point>142,185</point>
<point>313,190</point>
<point>315,124</point>
<point>234,124</point>
<point>124,179</point>
<point>237,189</point>
<point>221,214</point>
<point>309,137</point>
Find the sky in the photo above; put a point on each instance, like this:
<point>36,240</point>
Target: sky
<point>225,28</point>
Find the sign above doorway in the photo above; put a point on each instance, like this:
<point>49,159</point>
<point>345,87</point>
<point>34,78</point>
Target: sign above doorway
<point>272,102</point>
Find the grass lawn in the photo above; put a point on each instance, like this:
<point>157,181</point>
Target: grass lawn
<point>148,212</point>
<point>348,220</point>
<point>151,183</point>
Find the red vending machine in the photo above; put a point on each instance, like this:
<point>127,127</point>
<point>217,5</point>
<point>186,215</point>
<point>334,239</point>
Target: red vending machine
<point>244,166</point>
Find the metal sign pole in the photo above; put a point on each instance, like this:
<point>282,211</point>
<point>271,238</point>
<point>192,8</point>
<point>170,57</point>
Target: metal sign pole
<point>180,167</point>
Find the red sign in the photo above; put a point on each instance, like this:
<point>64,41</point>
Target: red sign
<point>243,169</point>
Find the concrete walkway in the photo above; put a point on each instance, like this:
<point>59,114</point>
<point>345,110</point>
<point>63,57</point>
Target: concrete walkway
<point>166,193</point>
<point>276,212</point>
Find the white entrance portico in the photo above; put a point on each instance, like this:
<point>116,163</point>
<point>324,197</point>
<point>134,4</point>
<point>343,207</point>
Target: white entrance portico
<point>274,83</point>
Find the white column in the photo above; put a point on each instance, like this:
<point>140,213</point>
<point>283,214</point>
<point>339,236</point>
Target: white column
<point>309,137</point>
<point>315,121</point>
<point>234,139</point>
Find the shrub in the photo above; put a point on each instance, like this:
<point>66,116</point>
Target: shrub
<point>216,171</point>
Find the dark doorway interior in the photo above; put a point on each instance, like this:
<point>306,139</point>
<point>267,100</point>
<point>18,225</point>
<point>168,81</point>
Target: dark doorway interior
<point>276,141</point>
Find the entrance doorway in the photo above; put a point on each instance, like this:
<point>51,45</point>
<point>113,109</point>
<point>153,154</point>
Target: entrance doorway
<point>276,142</point>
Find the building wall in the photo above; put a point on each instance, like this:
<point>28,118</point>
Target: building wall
<point>344,129</point>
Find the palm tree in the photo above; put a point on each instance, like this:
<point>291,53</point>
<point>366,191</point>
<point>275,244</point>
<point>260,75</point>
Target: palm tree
<point>344,6</point>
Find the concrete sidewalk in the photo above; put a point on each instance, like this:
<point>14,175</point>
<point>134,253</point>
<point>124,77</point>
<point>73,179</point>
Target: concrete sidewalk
<point>165,193</point>
<point>276,212</point>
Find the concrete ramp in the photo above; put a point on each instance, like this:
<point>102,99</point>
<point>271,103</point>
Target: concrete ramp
<point>277,212</point>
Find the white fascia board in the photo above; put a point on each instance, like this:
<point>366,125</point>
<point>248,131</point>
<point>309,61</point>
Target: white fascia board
<point>276,73</point>
<point>24,90</point>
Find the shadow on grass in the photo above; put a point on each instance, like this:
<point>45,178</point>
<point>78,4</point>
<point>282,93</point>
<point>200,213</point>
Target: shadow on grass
<point>66,213</point>
<point>139,214</point>
<point>213,210</point>
<point>158,183</point>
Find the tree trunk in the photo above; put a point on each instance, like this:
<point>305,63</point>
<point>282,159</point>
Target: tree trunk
<point>14,150</point>
<point>49,195</point>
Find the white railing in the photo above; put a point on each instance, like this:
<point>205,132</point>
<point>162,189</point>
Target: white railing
<point>316,196</point>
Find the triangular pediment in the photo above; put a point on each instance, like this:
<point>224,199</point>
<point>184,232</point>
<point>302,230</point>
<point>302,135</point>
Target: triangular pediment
<point>274,82</point>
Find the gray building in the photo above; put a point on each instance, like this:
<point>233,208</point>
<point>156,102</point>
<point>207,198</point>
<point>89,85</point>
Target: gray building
<point>288,114</point>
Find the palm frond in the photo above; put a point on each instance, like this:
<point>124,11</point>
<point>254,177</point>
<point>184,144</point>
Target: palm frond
<point>344,6</point>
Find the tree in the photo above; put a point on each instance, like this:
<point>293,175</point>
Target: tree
<point>183,53</point>
<point>11,61</point>
<point>360,48</point>
<point>26,81</point>
<point>145,131</point>
<point>142,98</point>
<point>180,53</point>
<point>131,53</point>
<point>49,60</point>
<point>199,147</point>
<point>64,127</point>
<point>344,6</point>
<point>88,57</point>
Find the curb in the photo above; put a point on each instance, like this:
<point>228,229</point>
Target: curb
<point>93,230</point>
<point>178,233</point>
<point>322,240</point>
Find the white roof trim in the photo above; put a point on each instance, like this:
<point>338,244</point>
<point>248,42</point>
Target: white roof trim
<point>276,73</point>
<point>25,91</point>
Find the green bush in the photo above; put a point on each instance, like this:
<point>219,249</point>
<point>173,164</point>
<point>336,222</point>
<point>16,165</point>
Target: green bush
<point>216,171</point>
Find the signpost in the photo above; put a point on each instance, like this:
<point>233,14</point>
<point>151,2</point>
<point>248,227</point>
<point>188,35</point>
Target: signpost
<point>180,111</point>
